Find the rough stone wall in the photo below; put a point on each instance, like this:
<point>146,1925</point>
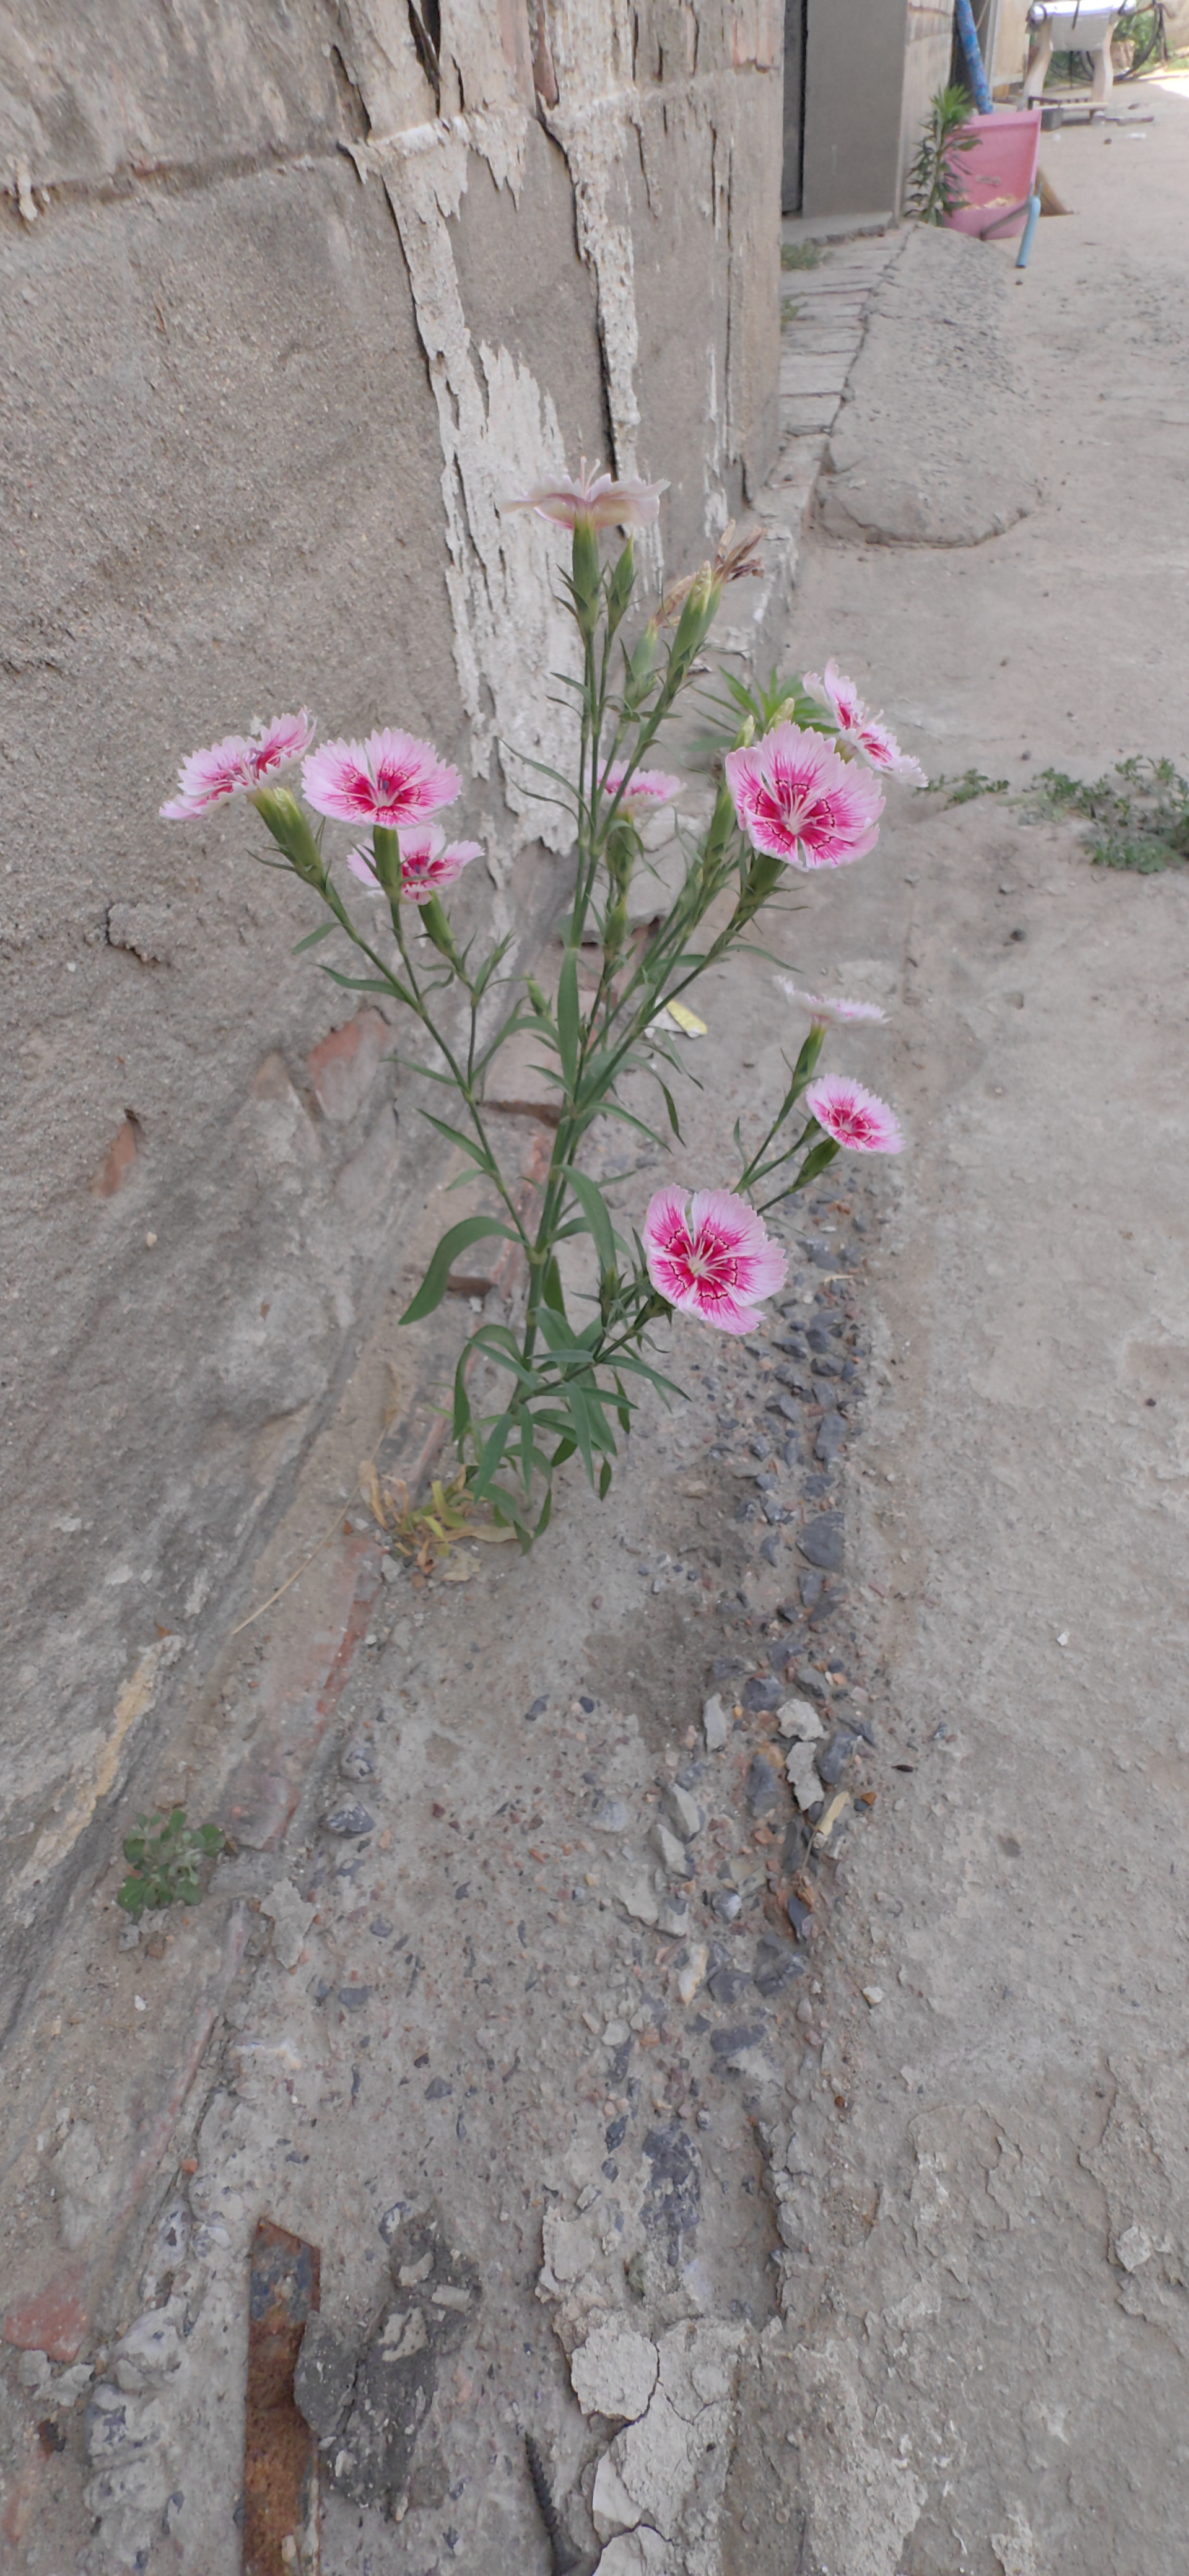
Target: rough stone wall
<point>294,294</point>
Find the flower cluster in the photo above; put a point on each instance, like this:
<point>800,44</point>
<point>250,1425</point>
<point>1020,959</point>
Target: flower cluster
<point>393,781</point>
<point>802,790</point>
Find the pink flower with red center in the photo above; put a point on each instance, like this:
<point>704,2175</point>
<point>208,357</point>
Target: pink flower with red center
<point>645,787</point>
<point>797,798</point>
<point>840,1011</point>
<point>597,499</point>
<point>711,1256</point>
<point>853,1117</point>
<point>391,779</point>
<point>868,734</point>
<point>236,765</point>
<point>426,863</point>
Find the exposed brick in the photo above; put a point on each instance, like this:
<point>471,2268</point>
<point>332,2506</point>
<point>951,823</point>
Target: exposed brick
<point>118,1160</point>
<point>53,2319</point>
<point>342,1067</point>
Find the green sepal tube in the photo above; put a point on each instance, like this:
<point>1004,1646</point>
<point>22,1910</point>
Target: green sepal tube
<point>620,587</point>
<point>641,662</point>
<point>436,925</point>
<point>291,832</point>
<point>586,576</point>
<point>620,852</point>
<point>722,824</point>
<point>763,877</point>
<point>386,850</point>
<point>694,624</point>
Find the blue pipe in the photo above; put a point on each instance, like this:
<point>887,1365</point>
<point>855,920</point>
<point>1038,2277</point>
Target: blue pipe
<point>1029,231</point>
<point>968,33</point>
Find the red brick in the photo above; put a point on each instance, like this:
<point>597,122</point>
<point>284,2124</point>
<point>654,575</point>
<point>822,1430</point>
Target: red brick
<point>53,2320</point>
<point>342,1067</point>
<point>118,1160</point>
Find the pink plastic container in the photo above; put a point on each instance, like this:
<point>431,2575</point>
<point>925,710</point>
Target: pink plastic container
<point>998,176</point>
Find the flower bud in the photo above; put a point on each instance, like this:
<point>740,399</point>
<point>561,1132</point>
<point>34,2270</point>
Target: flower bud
<point>620,586</point>
<point>697,618</point>
<point>641,665</point>
<point>291,832</point>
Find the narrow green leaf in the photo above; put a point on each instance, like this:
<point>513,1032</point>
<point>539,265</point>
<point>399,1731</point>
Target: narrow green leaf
<point>312,938</point>
<point>473,1229</point>
<point>569,1023</point>
<point>671,1107</point>
<point>470,1144</point>
<point>605,1474</point>
<point>594,1205</point>
<point>462,1402</point>
<point>551,1289</point>
<point>490,1456</point>
<point>546,1515</point>
<point>815,1161</point>
<point>360,983</point>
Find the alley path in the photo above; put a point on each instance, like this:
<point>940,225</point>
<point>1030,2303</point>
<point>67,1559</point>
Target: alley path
<point>987,2367</point>
<point>920,2173</point>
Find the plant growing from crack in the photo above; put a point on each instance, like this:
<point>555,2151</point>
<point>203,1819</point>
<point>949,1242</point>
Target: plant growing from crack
<point>934,182</point>
<point>167,1856</point>
<point>799,792</point>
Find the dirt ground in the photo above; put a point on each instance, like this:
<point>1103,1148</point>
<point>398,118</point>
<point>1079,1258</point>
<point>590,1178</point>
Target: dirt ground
<point>916,2177</point>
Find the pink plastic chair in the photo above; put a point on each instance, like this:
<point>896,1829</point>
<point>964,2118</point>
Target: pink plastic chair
<point>997,177</point>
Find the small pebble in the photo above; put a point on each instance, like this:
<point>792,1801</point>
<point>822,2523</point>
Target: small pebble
<point>760,1786</point>
<point>682,1812</point>
<point>873,1994</point>
<point>357,1763</point>
<point>349,1822</point>
<point>714,1723</point>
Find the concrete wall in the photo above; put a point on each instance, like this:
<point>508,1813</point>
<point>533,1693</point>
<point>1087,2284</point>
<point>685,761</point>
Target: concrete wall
<point>854,79</point>
<point>871,67</point>
<point>288,309</point>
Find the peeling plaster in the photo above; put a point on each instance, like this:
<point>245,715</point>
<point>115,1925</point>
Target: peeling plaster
<point>496,427</point>
<point>137,1696</point>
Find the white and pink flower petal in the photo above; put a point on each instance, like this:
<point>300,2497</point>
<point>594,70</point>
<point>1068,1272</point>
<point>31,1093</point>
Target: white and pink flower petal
<point>800,801</point>
<point>837,1008</point>
<point>711,1256</point>
<point>427,864</point>
<point>644,787</point>
<point>392,779</point>
<point>594,497</point>
<point>855,1118</point>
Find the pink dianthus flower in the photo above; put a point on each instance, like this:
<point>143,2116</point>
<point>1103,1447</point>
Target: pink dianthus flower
<point>868,734</point>
<point>392,779</point>
<point>712,1257</point>
<point>855,1118</point>
<point>840,1011</point>
<point>236,765</point>
<point>797,798</point>
<point>426,863</point>
<point>595,498</point>
<point>645,788</point>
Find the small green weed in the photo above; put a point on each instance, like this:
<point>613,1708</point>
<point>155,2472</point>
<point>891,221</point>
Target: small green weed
<point>791,308</point>
<point>963,790</point>
<point>166,1855</point>
<point>1141,812</point>
<point>801,255</point>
